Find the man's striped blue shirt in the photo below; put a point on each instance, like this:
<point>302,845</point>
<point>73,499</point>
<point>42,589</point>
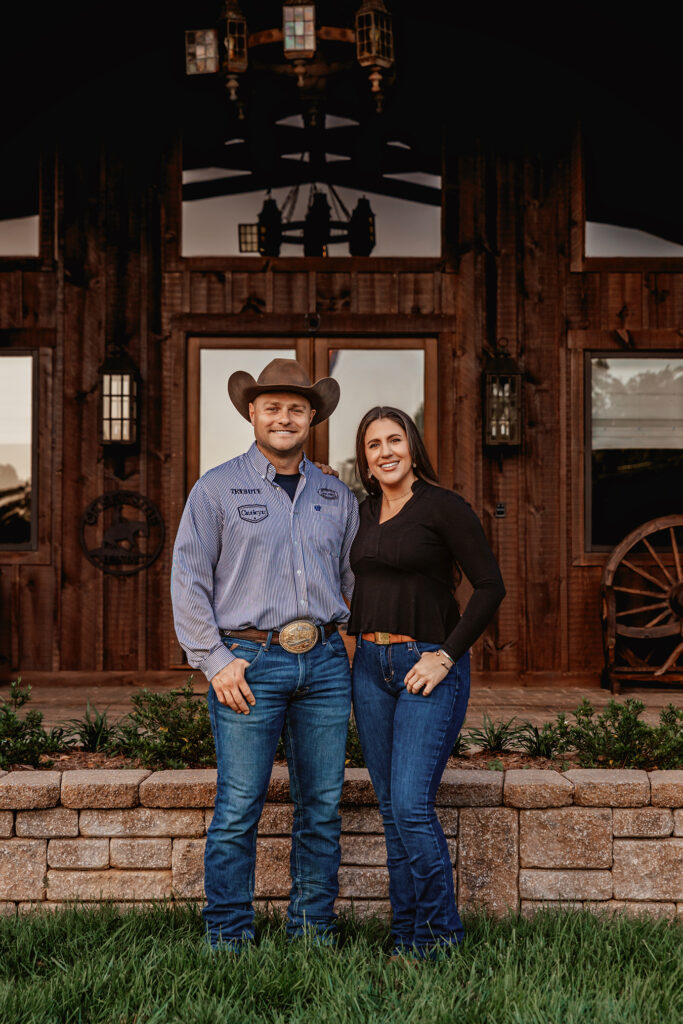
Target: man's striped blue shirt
<point>246,556</point>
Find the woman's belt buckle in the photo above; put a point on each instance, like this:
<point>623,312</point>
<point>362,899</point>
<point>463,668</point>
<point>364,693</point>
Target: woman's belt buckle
<point>299,636</point>
<point>382,638</point>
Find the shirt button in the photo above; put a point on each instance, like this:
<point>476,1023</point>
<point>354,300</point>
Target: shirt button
<point>298,572</point>
<point>302,601</point>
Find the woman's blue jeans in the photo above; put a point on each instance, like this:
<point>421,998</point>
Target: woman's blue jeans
<point>406,740</point>
<point>307,699</point>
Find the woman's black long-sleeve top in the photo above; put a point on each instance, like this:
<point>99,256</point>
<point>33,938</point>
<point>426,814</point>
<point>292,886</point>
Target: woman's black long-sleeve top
<point>404,570</point>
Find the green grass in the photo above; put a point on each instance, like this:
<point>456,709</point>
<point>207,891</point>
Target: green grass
<point>102,965</point>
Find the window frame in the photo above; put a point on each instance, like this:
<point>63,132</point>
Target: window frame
<point>33,544</point>
<point>589,355</point>
<point>428,343</point>
<point>581,343</point>
<point>195,344</point>
<point>46,257</point>
<point>579,262</point>
<point>241,263</point>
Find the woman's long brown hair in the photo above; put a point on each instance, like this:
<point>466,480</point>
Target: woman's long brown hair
<point>421,461</point>
<point>418,453</point>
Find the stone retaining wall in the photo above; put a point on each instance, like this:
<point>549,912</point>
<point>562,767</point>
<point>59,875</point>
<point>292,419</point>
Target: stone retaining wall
<point>604,839</point>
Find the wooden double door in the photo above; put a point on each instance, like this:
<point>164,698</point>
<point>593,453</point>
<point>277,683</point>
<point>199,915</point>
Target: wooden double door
<point>371,371</point>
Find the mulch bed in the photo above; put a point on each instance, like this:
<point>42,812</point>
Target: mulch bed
<point>512,759</point>
<point>79,759</point>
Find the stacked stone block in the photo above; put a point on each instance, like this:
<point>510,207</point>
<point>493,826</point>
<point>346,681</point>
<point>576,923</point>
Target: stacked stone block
<point>520,840</point>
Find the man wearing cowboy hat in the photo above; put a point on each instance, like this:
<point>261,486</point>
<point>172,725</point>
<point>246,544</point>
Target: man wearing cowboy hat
<point>260,573</point>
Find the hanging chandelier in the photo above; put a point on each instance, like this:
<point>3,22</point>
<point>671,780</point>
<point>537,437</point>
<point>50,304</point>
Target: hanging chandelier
<point>299,47</point>
<point>327,222</point>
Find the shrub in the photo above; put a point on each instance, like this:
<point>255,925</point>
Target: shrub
<point>167,730</point>
<point>668,740</point>
<point>548,741</point>
<point>617,738</point>
<point>460,745</point>
<point>92,733</point>
<point>497,737</point>
<point>25,740</point>
<point>354,751</point>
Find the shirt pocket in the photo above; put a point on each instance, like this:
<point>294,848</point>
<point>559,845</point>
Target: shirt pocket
<point>327,525</point>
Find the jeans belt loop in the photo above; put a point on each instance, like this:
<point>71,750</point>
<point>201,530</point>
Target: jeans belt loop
<point>269,638</point>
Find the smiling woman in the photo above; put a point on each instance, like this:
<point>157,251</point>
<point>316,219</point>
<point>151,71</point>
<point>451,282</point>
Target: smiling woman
<point>411,667</point>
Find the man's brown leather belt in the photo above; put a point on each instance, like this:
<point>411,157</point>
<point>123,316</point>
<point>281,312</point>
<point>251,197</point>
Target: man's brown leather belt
<point>297,641</point>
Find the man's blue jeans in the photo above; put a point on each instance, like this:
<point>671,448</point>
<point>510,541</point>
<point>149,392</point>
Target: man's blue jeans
<point>307,699</point>
<point>407,739</point>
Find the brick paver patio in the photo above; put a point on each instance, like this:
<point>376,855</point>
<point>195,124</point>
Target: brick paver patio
<point>538,703</point>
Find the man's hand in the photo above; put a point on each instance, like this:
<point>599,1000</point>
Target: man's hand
<point>327,470</point>
<point>232,688</point>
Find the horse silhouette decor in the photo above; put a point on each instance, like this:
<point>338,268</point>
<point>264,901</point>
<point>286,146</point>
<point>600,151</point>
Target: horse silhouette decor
<point>122,532</point>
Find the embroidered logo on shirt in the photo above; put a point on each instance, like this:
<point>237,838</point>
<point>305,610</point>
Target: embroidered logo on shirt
<point>245,490</point>
<point>327,492</point>
<point>252,513</point>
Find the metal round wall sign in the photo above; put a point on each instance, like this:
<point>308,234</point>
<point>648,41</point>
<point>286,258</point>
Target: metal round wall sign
<point>122,532</point>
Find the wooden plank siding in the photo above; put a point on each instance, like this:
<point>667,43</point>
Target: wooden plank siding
<point>512,268</point>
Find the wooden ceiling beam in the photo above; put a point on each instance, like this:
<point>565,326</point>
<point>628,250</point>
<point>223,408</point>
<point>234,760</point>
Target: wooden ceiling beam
<point>288,173</point>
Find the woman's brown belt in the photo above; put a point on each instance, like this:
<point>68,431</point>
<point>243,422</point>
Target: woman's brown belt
<point>387,638</point>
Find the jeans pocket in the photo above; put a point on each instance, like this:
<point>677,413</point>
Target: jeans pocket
<point>248,651</point>
<point>335,645</point>
<point>422,647</point>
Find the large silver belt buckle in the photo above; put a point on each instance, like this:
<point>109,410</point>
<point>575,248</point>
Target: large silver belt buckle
<point>299,636</point>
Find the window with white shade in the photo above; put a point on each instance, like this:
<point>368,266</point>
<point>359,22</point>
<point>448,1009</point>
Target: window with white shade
<point>634,465</point>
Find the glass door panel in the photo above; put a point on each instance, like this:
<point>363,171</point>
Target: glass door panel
<point>215,430</point>
<point>223,433</point>
<point>396,372</point>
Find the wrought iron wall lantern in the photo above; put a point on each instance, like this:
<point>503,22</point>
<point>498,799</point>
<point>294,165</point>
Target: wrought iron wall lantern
<point>119,408</point>
<point>502,402</point>
<point>230,49</point>
<point>317,231</point>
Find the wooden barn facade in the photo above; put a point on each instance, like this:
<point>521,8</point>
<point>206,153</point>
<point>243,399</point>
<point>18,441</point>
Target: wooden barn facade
<point>110,276</point>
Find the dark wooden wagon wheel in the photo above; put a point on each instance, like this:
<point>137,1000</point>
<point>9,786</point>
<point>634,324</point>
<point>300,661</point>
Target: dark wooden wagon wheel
<point>642,605</point>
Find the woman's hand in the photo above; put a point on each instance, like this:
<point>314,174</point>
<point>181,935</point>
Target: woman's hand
<point>427,673</point>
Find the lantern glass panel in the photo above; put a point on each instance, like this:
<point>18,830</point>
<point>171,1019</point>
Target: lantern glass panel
<point>201,52</point>
<point>502,409</point>
<point>374,39</point>
<point>119,408</point>
<point>236,45</point>
<point>299,30</point>
<point>248,235</point>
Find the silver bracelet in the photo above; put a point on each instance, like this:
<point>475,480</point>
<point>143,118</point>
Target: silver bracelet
<point>441,653</point>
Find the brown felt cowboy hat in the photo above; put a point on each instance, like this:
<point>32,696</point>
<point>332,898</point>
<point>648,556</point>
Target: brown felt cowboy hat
<point>284,375</point>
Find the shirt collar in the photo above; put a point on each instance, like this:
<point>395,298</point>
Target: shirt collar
<point>265,468</point>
